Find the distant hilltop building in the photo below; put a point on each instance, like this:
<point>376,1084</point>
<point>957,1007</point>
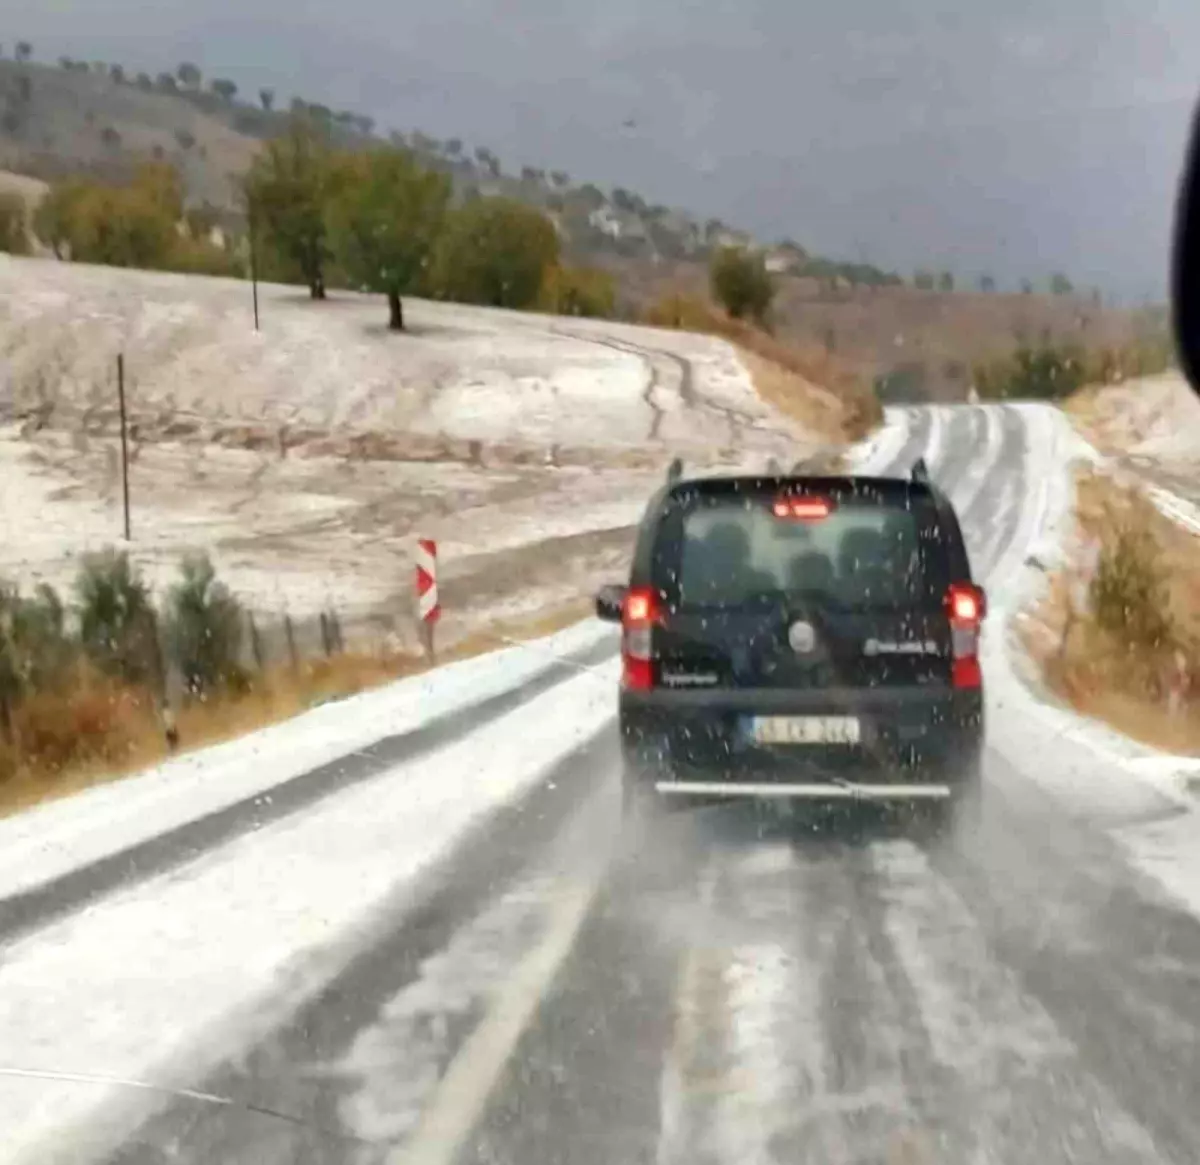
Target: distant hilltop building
<point>786,259</point>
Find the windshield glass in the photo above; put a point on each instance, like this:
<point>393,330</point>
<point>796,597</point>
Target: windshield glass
<point>352,350</point>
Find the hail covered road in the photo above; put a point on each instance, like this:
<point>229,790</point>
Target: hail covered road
<point>556,989</point>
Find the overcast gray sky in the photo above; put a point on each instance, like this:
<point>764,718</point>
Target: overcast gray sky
<point>1009,136</point>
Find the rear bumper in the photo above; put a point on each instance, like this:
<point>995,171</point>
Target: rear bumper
<point>877,791</point>
<point>916,743</point>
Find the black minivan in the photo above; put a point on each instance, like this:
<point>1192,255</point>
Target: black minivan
<point>802,638</point>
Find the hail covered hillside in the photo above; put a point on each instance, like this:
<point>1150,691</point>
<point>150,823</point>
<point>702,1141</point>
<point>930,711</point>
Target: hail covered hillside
<point>1150,425</point>
<point>307,457</point>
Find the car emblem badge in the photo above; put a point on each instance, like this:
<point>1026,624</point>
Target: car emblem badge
<point>802,637</point>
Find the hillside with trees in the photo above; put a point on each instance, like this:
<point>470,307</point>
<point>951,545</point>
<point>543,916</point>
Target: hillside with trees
<point>164,170</point>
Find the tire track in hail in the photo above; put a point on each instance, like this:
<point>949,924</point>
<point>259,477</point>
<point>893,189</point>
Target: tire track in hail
<point>994,513</point>
<point>1020,1089</point>
<point>686,390</point>
<point>1107,958</point>
<point>880,1060</point>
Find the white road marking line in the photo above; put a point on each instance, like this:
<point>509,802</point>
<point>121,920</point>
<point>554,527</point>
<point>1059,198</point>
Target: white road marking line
<point>460,1100</point>
<point>676,1135</point>
<point>392,1068</point>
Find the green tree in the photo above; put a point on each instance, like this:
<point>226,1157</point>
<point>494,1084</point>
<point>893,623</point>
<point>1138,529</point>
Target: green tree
<point>144,82</point>
<point>1026,287</point>
<point>189,75</point>
<point>14,230</point>
<point>923,280</point>
<point>288,191</point>
<point>226,90</point>
<point>24,51</point>
<point>117,73</point>
<point>266,98</point>
<point>987,284</point>
<point>741,283</point>
<point>497,252</point>
<point>1060,284</point>
<point>592,197</point>
<point>946,281</point>
<point>579,291</point>
<point>385,221</point>
<point>453,147</point>
<point>167,83</point>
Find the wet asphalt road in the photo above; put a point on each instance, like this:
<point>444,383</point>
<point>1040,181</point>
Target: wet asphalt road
<point>725,988</point>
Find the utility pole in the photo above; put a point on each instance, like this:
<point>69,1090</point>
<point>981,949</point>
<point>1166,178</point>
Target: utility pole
<point>124,440</point>
<point>253,259</point>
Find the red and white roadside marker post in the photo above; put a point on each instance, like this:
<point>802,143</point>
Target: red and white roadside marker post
<point>429,608</point>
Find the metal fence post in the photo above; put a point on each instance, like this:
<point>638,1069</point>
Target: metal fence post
<point>124,439</point>
<point>255,642</point>
<point>290,631</point>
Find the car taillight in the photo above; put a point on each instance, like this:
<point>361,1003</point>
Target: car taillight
<point>639,614</point>
<point>966,607</point>
<point>810,509</point>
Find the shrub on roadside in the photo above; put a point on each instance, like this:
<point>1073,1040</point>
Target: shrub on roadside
<point>1130,593</point>
<point>35,647</point>
<point>116,617</point>
<point>14,230</point>
<point>94,718</point>
<point>1128,649</point>
<point>1055,372</point>
<point>204,629</point>
<point>1046,373</point>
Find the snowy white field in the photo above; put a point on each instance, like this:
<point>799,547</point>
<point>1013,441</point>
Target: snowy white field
<point>306,458</point>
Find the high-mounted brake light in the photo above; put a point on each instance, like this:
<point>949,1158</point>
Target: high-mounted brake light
<point>966,606</point>
<point>639,615</point>
<point>803,509</point>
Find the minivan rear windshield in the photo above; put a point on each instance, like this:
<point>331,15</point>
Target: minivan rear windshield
<point>734,551</point>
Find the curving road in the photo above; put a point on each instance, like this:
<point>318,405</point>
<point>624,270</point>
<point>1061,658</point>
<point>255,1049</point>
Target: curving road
<point>558,991</point>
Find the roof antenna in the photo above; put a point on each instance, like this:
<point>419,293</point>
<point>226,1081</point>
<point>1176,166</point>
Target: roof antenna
<point>920,471</point>
<point>675,471</point>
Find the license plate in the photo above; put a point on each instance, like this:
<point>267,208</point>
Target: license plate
<point>806,730</point>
